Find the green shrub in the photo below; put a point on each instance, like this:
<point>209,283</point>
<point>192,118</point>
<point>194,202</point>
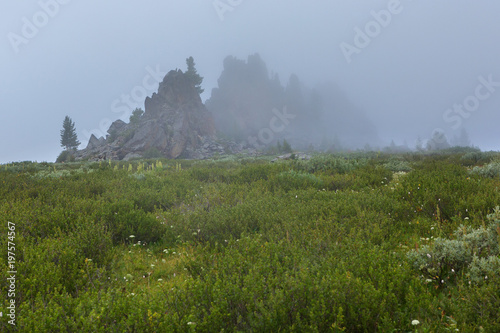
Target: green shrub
<point>331,164</point>
<point>483,269</point>
<point>243,244</point>
<point>92,240</point>
<point>136,116</point>
<point>295,180</point>
<point>477,157</point>
<point>396,165</point>
<point>443,190</point>
<point>124,220</point>
<point>65,156</point>
<point>52,174</point>
<point>152,152</point>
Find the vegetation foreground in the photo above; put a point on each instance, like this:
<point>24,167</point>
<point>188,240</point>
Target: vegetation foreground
<point>360,242</point>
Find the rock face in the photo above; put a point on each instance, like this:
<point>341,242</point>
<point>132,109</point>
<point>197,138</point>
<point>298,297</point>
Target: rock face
<point>174,124</point>
<point>242,103</point>
<point>248,99</point>
<point>94,142</point>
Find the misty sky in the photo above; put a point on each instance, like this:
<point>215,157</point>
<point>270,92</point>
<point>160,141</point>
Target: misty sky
<point>84,56</point>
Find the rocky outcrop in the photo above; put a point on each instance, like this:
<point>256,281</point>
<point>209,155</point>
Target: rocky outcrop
<point>242,103</point>
<point>246,101</point>
<point>175,124</point>
<point>117,126</point>
<point>94,142</point>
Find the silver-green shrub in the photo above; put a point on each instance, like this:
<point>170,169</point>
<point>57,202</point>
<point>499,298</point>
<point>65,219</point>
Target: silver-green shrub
<point>491,170</point>
<point>396,165</point>
<point>482,269</point>
<point>475,250</point>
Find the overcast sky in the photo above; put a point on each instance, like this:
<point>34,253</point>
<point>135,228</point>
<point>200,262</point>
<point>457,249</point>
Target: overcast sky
<point>405,63</point>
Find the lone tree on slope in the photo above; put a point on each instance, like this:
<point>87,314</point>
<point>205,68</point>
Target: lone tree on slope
<point>136,115</point>
<point>69,140</point>
<point>193,76</point>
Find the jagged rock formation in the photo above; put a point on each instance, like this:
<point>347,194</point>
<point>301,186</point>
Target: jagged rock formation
<point>245,102</point>
<point>175,124</point>
<point>242,103</point>
<point>94,142</point>
<point>249,106</point>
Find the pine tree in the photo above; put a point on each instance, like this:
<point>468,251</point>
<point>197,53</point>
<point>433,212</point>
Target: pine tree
<point>438,141</point>
<point>463,140</point>
<point>136,115</point>
<point>193,76</point>
<point>419,145</point>
<point>69,139</point>
<point>278,147</point>
<point>392,147</point>
<point>286,147</point>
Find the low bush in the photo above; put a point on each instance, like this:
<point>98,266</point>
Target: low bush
<point>65,156</point>
<point>478,157</point>
<point>473,250</point>
<point>352,242</point>
<point>398,165</point>
<point>296,180</point>
<point>491,170</point>
<point>152,153</point>
<point>124,220</point>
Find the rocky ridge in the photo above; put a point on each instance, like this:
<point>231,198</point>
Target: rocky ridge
<point>175,124</point>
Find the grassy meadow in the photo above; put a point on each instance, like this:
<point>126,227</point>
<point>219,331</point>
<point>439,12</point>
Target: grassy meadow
<point>355,242</point>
